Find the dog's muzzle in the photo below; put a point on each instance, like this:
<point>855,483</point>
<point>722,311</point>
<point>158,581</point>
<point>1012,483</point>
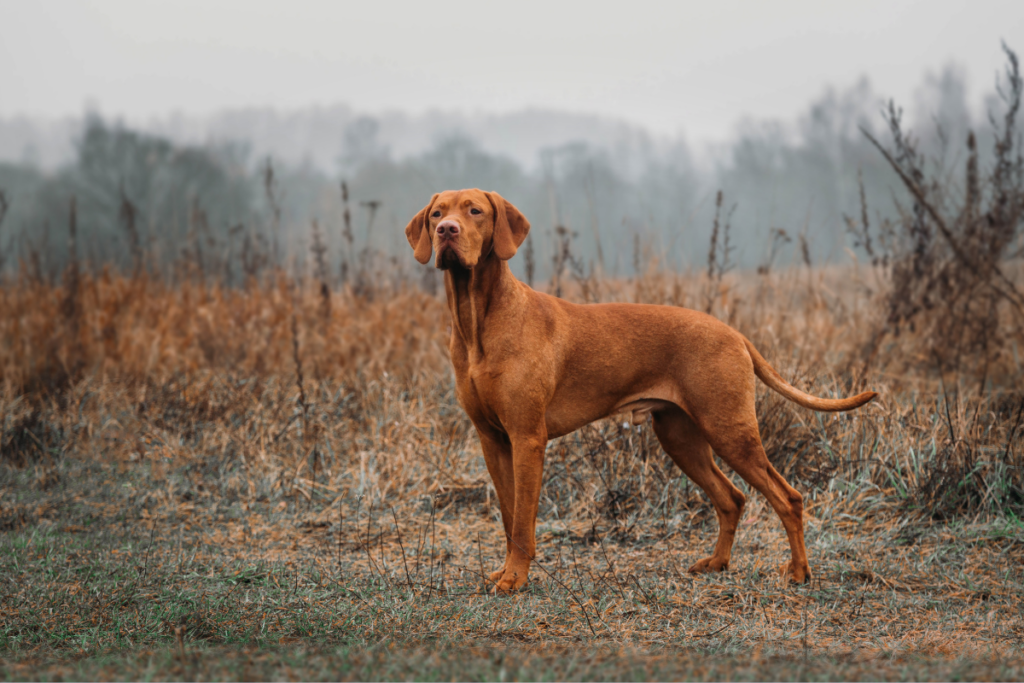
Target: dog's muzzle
<point>448,258</point>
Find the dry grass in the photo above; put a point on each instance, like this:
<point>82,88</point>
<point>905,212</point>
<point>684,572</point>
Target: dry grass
<point>193,475</point>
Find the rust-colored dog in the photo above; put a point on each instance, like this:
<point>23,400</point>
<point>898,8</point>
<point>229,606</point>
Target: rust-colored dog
<point>530,367</point>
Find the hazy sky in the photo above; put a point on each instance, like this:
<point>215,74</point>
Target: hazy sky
<point>689,67</point>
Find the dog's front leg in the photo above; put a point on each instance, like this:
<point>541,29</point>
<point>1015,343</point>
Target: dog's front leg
<point>528,470</point>
<point>498,457</point>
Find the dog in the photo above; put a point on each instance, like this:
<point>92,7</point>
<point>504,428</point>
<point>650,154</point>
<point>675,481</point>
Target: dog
<point>530,367</point>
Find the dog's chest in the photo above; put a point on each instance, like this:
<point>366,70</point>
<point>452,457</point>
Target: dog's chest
<point>476,388</point>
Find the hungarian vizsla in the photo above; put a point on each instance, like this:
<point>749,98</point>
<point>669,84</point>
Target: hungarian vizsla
<point>531,367</point>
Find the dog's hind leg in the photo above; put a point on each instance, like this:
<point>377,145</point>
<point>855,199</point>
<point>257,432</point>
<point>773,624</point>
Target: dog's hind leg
<point>733,433</point>
<point>683,441</point>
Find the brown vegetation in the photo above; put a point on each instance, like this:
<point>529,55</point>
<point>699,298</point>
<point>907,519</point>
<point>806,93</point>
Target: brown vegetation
<point>270,434</point>
<point>91,368</point>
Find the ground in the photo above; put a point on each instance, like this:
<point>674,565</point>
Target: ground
<point>105,576</point>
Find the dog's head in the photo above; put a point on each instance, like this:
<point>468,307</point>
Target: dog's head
<point>464,227</point>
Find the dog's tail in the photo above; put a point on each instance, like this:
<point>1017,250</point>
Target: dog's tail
<point>769,376</point>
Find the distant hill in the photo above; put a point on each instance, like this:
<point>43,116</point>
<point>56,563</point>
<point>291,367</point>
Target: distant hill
<point>323,136</point>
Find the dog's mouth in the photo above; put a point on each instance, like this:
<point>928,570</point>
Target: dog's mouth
<point>447,258</point>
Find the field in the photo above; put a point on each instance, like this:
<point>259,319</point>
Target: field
<point>275,481</point>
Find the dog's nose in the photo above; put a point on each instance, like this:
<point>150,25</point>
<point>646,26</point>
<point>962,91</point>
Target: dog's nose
<point>447,227</point>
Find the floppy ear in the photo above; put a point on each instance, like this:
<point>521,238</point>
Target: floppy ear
<point>418,233</point>
<point>510,226</point>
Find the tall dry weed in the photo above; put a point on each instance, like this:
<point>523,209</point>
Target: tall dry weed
<point>950,261</point>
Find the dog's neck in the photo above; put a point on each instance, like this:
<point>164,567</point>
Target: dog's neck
<point>472,293</point>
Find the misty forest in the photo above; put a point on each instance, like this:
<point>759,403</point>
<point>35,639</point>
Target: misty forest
<point>260,184</point>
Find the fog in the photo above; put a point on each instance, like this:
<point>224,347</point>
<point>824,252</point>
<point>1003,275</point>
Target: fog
<point>620,130</point>
<point>690,68</point>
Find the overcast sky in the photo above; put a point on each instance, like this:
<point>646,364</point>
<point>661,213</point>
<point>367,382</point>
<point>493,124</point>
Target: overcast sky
<point>694,68</point>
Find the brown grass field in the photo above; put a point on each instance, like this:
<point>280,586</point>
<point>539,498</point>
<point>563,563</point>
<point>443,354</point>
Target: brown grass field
<point>276,482</point>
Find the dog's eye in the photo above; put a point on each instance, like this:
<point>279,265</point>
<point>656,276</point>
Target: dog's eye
<point>475,212</point>
<point>436,214</point>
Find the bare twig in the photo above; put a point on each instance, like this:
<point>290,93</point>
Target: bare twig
<point>271,193</point>
<point>1011,293</point>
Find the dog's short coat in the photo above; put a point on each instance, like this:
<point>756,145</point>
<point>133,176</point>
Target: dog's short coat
<point>531,367</point>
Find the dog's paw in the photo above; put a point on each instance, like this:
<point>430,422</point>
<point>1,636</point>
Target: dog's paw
<point>709,564</point>
<point>793,573</point>
<point>510,582</point>
<point>495,577</point>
